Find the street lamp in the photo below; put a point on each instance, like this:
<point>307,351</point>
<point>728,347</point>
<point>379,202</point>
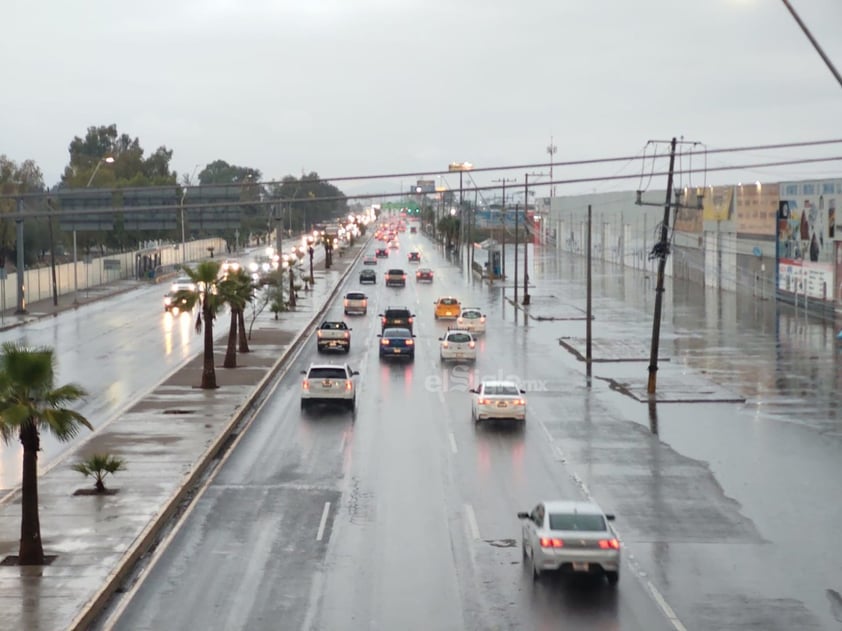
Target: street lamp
<point>551,150</point>
<point>106,160</point>
<point>461,167</point>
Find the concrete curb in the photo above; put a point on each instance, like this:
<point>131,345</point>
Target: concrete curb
<point>147,538</point>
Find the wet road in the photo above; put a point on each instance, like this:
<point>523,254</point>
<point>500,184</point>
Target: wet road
<point>400,517</point>
<point>118,349</point>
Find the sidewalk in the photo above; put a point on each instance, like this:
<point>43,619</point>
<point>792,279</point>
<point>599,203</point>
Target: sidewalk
<point>167,440</point>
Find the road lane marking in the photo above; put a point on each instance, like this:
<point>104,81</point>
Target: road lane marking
<point>453,446</point>
<point>665,608</point>
<point>342,442</point>
<point>471,516</point>
<point>323,522</point>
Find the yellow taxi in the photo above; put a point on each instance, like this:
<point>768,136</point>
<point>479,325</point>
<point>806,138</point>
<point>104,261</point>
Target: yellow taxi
<point>447,307</point>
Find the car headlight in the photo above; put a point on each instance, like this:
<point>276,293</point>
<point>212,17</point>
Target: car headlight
<point>253,267</point>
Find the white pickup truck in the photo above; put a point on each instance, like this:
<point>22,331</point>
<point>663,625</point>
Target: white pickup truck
<point>333,335</point>
<point>356,303</point>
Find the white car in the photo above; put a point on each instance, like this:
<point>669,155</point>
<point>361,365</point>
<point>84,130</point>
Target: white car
<point>471,319</point>
<point>498,400</point>
<point>328,383</point>
<point>458,344</point>
<point>570,537</point>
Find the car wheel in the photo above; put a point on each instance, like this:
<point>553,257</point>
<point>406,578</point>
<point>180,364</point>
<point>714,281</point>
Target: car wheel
<point>536,573</point>
<point>612,578</point>
<point>352,404</point>
<point>348,349</point>
<point>523,549</point>
<point>303,405</point>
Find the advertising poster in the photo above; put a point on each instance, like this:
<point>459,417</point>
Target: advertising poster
<point>689,218</point>
<point>807,222</point>
<point>802,277</point>
<point>718,203</point>
<point>756,206</point>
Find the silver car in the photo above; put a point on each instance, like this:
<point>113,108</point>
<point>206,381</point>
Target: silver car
<point>570,537</point>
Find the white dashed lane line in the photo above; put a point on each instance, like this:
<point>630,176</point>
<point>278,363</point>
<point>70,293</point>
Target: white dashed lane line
<point>453,446</point>
<point>321,532</point>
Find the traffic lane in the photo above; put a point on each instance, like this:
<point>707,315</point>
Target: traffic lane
<point>118,349</point>
<point>761,476</point>
<point>394,554</point>
<point>482,564</point>
<point>503,469</point>
<point>253,543</point>
<point>680,503</point>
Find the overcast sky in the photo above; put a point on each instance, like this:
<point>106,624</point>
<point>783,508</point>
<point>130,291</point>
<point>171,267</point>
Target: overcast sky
<point>355,87</point>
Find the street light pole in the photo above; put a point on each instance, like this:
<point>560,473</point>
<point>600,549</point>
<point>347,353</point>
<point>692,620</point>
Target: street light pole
<point>108,160</point>
<point>552,150</point>
<point>183,239</point>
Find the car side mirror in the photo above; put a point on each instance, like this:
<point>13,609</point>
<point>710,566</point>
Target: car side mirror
<point>303,372</point>
<point>441,339</point>
<point>379,335</point>
<point>355,372</point>
<point>413,335</point>
<point>522,391</point>
<point>610,517</point>
<point>523,515</point>
<point>474,390</point>
<point>412,316</point>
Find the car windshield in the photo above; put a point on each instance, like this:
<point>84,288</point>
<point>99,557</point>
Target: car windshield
<point>449,301</point>
<point>575,521</point>
<point>502,389</point>
<point>328,373</point>
<point>397,333</point>
<point>470,315</point>
<point>459,337</point>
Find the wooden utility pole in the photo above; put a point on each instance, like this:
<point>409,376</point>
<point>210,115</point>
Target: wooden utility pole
<point>517,227</point>
<point>662,251</point>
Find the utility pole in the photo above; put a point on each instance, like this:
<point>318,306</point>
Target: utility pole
<point>21,306</point>
<point>526,299</point>
<point>517,227</point>
<point>662,251</point>
<point>503,223</point>
<point>589,312</point>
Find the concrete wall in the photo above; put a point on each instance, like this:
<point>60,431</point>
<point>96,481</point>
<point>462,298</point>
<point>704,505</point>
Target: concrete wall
<point>93,272</point>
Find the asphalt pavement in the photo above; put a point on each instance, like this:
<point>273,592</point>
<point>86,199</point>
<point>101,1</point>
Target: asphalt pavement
<point>402,516</point>
<point>167,438</point>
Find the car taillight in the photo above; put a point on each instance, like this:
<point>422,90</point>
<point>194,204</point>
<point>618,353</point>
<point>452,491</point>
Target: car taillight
<point>384,342</point>
<point>520,402</point>
<point>482,319</point>
<point>403,276</point>
<point>410,342</point>
<point>318,334</point>
<point>347,302</point>
<point>609,544</point>
<point>305,384</point>
<point>444,344</point>
<point>347,335</point>
<point>547,542</point>
<point>472,344</point>
<point>348,384</point>
<point>417,274</point>
<point>409,320</point>
<point>383,320</point>
<point>485,401</point>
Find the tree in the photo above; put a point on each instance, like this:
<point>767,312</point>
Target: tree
<point>129,169</point>
<point>19,179</point>
<point>309,200</point>
<point>237,290</point>
<point>98,466</point>
<point>29,403</point>
<point>209,300</point>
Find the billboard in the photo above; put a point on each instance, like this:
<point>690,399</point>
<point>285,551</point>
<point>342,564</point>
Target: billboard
<point>210,208</point>
<point>756,206</point>
<point>718,203</point>
<point>92,204</point>
<point>162,219</point>
<point>688,218</point>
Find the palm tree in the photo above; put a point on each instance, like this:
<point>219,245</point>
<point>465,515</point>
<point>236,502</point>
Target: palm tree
<point>29,403</point>
<point>207,296</point>
<point>237,290</point>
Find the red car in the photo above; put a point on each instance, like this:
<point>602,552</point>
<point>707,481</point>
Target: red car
<point>414,257</point>
<point>424,275</point>
<point>381,253</point>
